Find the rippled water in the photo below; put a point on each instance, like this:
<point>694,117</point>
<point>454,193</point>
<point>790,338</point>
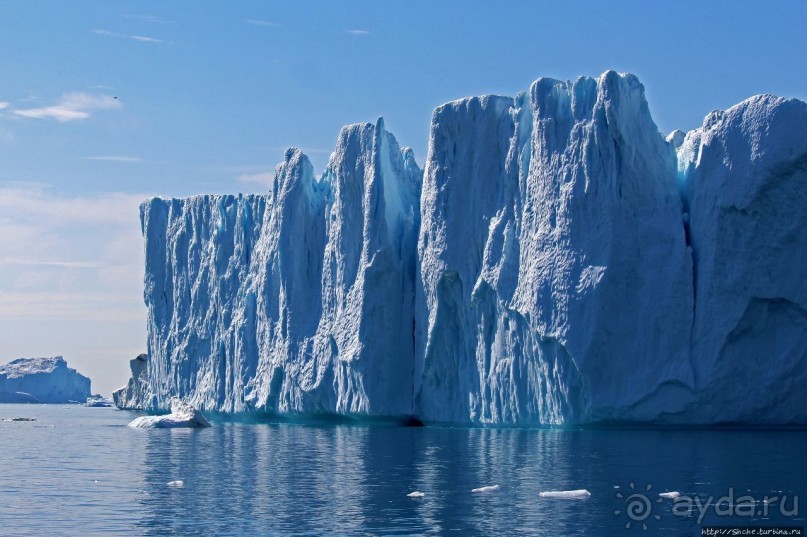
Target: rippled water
<point>81,471</point>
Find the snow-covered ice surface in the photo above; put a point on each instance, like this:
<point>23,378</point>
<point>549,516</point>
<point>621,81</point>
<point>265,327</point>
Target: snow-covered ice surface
<point>42,380</point>
<point>182,415</point>
<point>561,262</point>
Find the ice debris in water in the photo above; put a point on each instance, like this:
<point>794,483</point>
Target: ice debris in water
<point>416,494</point>
<point>178,484</point>
<point>566,494</point>
<point>490,488</point>
<point>669,495</point>
<point>182,415</point>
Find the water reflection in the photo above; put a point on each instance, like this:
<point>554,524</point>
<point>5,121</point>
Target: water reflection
<point>348,479</point>
<point>81,471</point>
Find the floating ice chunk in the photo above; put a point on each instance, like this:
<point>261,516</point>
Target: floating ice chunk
<point>22,419</point>
<point>97,401</point>
<point>669,495</point>
<point>178,484</point>
<point>416,494</point>
<point>182,415</point>
<point>490,488</point>
<point>580,494</point>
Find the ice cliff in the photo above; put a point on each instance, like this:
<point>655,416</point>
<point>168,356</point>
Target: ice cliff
<point>42,380</point>
<point>557,261</point>
<point>299,301</point>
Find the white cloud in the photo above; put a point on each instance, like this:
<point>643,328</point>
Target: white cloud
<point>68,256</point>
<point>115,158</point>
<point>141,38</point>
<point>44,263</point>
<point>257,22</point>
<point>4,105</point>
<point>36,204</point>
<point>264,178</point>
<point>72,106</point>
<point>358,32</point>
<point>72,279</point>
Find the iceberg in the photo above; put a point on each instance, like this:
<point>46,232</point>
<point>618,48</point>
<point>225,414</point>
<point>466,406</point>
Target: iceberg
<point>182,415</point>
<point>42,380</point>
<point>557,261</point>
<point>132,396</point>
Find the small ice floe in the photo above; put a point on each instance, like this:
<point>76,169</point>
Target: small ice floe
<point>669,495</point>
<point>416,494</point>
<point>580,494</point>
<point>182,415</point>
<point>22,419</point>
<point>97,401</point>
<point>489,488</point>
<point>178,484</point>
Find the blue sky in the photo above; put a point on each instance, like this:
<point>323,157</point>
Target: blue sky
<point>103,104</point>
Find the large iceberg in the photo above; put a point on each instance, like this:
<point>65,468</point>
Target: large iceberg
<point>557,261</point>
<point>42,380</point>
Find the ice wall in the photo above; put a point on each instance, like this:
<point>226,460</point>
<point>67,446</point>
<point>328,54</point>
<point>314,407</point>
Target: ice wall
<point>745,176</point>
<point>564,263</point>
<point>299,301</point>
<point>556,281</point>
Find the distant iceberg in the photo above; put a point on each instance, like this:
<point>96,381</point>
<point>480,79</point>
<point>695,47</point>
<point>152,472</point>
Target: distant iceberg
<point>42,380</point>
<point>182,415</point>
<point>557,261</point>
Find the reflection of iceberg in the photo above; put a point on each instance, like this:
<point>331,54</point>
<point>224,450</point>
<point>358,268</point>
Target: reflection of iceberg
<point>182,415</point>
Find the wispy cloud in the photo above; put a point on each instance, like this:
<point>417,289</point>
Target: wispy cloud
<point>72,106</point>
<point>263,178</point>
<point>257,22</point>
<point>50,263</point>
<point>358,32</point>
<point>147,18</point>
<point>4,105</point>
<point>141,38</point>
<point>64,255</point>
<point>115,158</point>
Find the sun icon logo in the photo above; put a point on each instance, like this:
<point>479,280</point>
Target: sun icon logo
<point>638,506</point>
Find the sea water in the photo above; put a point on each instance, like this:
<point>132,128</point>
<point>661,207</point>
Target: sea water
<point>81,471</point>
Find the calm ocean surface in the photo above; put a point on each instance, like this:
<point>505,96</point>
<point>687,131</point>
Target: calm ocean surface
<point>81,471</point>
